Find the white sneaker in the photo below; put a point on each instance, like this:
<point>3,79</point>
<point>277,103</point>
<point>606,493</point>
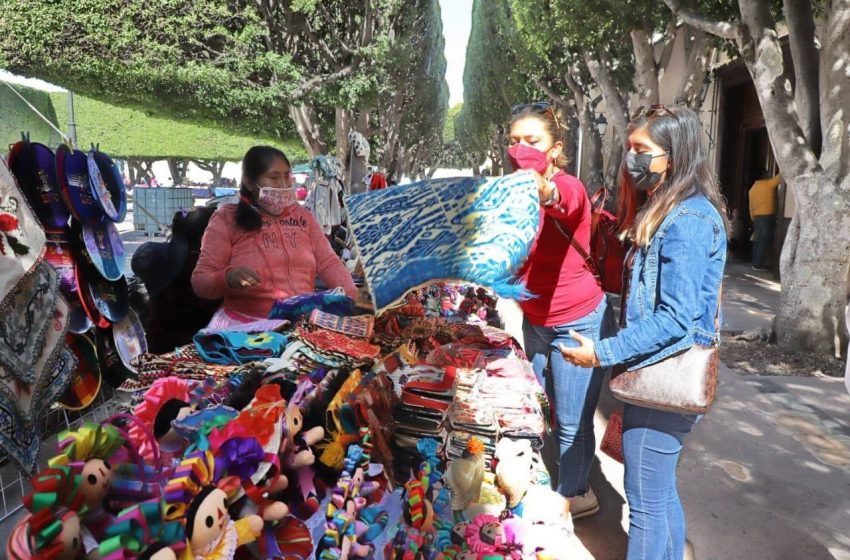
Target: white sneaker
<point>584,505</point>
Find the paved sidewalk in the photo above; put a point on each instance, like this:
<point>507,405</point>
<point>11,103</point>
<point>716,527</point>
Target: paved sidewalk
<point>765,475</point>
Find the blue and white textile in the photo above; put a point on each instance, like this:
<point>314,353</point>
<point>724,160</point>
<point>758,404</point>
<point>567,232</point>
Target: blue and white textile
<point>468,229</point>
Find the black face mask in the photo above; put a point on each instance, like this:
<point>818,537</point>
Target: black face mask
<point>638,167</point>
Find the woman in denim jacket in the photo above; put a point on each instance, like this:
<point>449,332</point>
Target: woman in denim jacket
<point>680,239</point>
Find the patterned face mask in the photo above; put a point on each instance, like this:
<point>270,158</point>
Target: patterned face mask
<point>274,200</point>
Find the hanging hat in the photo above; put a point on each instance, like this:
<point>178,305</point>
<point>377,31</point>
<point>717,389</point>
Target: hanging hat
<point>85,382</point>
<point>72,172</point>
<point>21,236</point>
<point>129,338</point>
<point>158,264</point>
<point>107,185</point>
<point>34,166</point>
<point>59,254</point>
<point>103,246</point>
<point>104,302</point>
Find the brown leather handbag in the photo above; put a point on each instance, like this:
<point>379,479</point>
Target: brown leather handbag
<point>684,383</point>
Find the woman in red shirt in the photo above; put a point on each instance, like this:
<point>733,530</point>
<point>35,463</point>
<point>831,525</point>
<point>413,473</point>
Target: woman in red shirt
<point>568,297</point>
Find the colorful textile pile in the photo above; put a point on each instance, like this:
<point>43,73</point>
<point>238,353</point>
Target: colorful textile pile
<point>473,230</point>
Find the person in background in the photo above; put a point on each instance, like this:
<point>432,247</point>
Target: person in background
<point>267,247</point>
<point>568,298</point>
<point>680,237</point>
<point>763,215</point>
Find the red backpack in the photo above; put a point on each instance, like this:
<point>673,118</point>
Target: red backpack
<point>607,251</point>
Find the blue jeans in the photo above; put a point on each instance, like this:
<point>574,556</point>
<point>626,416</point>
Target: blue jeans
<point>652,441</point>
<point>572,391</point>
<point>763,227</point>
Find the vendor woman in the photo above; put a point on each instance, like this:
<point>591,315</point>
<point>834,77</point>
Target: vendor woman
<point>266,247</point>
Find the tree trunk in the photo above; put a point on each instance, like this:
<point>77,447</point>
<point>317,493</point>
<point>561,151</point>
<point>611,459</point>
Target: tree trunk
<point>307,125</point>
<point>215,168</point>
<point>592,175</point>
<point>696,66</point>
<point>814,266</point>
<point>816,258</point>
<point>342,124</point>
<point>646,69</point>
<point>618,108</point>
<point>804,52</point>
<point>178,168</point>
<point>614,166</point>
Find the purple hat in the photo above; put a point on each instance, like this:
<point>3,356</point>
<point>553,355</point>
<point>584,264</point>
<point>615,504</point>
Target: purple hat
<point>72,172</point>
<point>103,247</point>
<point>107,185</point>
<point>34,166</point>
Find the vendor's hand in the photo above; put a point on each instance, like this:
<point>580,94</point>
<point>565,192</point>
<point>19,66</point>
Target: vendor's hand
<point>544,187</point>
<point>241,278</point>
<point>584,355</point>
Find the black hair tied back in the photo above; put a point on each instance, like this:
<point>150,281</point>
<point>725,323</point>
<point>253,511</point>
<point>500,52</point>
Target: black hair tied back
<point>257,161</point>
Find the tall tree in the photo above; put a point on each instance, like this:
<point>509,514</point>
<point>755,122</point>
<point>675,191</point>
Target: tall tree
<point>813,96</point>
<point>493,83</point>
<point>276,68</point>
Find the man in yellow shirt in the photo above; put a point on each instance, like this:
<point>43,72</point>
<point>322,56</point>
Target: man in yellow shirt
<point>763,214</point>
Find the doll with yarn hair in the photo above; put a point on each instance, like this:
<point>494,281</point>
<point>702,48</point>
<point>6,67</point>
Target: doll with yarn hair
<point>109,469</point>
<point>52,530</point>
<point>296,450</point>
<point>198,499</point>
<point>140,533</point>
<point>168,399</point>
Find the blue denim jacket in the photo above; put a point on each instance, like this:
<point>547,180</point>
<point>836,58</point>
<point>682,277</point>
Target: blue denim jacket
<point>675,283</point>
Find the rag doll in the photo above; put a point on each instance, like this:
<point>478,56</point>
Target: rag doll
<point>100,455</point>
<point>297,455</point>
<point>168,399</point>
<point>52,530</point>
<point>197,497</point>
<point>139,533</point>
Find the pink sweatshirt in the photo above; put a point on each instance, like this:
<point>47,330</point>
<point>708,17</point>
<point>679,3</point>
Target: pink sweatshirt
<point>287,253</point>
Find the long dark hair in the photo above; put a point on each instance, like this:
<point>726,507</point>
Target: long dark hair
<point>257,161</point>
<point>676,129</point>
<point>545,113</point>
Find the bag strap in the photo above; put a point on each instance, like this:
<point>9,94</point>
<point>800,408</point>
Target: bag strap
<point>579,249</point>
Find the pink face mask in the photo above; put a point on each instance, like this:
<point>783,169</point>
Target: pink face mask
<point>526,157</point>
<point>274,201</point>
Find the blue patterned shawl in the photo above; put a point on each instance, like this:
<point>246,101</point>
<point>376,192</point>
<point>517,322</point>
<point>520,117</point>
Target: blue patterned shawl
<point>473,230</point>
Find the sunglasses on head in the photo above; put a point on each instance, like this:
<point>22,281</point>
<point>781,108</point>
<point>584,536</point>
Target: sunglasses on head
<point>651,111</point>
<point>538,106</point>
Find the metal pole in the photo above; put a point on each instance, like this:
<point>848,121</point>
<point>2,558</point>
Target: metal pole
<point>72,126</point>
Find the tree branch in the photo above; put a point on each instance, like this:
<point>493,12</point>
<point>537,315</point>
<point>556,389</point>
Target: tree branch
<point>552,94</point>
<point>617,107</point>
<point>317,82</point>
<point>669,44</point>
<point>723,29</point>
<point>646,71</point>
<point>343,46</point>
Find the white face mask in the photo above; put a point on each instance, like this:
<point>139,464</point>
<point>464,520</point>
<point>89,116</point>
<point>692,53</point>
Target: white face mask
<point>274,200</point>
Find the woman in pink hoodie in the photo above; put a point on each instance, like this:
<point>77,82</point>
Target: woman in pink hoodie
<point>267,247</point>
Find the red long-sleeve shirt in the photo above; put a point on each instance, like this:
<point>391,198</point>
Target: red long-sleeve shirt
<point>555,272</point>
<point>287,253</point>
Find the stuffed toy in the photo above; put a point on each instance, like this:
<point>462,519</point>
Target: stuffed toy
<point>464,477</point>
<point>297,454</point>
<point>52,530</point>
<point>514,478</point>
<point>197,498</point>
<point>110,469</point>
<point>140,533</point>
